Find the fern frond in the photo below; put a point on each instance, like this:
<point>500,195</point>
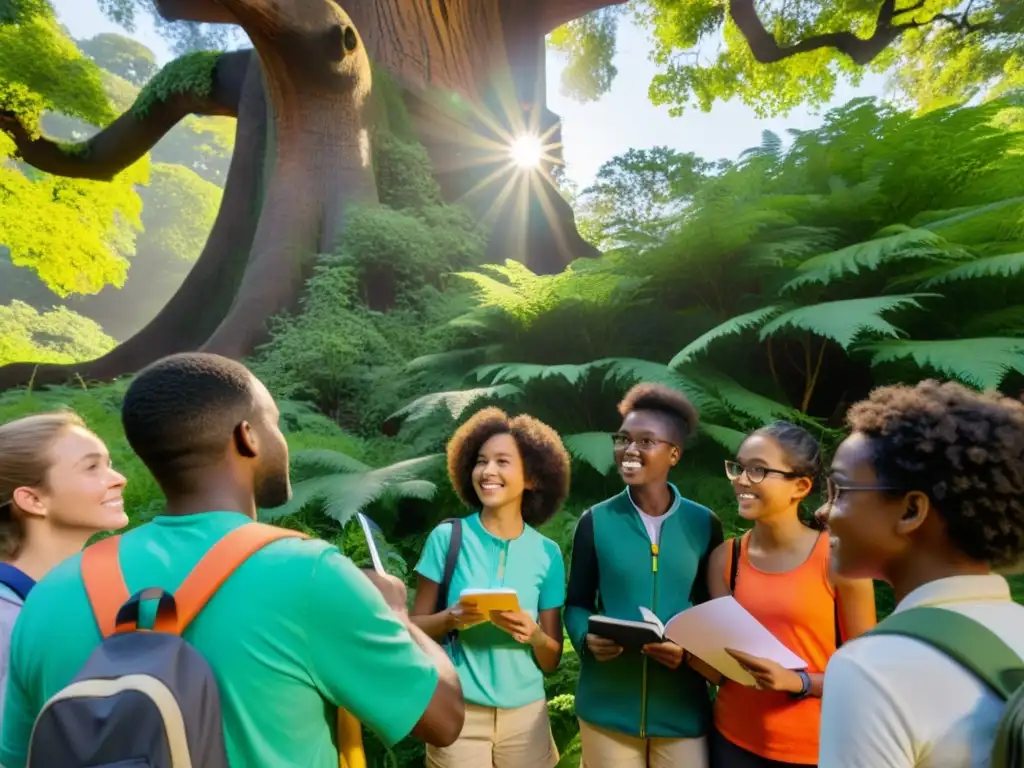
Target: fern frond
<point>456,401</point>
<point>844,321</point>
<point>947,219</point>
<point>739,399</point>
<point>321,461</point>
<point>731,327</point>
<point>727,437</point>
<point>869,255</point>
<point>593,448</point>
<point>341,495</point>
<point>1006,265</point>
<point>450,358</point>
<point>525,373</point>
<point>982,363</point>
<point>626,371</point>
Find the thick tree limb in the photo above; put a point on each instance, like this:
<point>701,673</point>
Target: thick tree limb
<point>203,299</point>
<point>132,135</point>
<point>767,50</point>
<point>203,11</point>
<point>554,13</point>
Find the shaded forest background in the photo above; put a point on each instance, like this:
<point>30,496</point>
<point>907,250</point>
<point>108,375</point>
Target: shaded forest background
<point>886,245</point>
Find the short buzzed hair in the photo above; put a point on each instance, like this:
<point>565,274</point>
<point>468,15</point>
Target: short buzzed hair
<point>680,414</point>
<point>181,411</point>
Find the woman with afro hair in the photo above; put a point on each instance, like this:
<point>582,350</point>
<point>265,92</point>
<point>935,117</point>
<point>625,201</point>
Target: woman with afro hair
<point>514,474</point>
<point>646,547</point>
<point>927,494</point>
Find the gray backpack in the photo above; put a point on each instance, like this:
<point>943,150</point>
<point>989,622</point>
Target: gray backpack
<point>144,698</point>
<point>980,651</point>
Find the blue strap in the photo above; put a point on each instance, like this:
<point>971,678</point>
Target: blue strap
<point>19,581</point>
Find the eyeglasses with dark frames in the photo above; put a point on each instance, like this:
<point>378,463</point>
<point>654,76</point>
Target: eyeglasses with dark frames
<point>644,444</point>
<point>833,489</point>
<point>756,474</point>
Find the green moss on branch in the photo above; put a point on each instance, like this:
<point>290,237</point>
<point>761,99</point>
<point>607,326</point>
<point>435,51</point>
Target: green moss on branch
<point>191,73</point>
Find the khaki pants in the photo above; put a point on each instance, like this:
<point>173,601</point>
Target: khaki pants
<point>608,749</point>
<point>500,738</point>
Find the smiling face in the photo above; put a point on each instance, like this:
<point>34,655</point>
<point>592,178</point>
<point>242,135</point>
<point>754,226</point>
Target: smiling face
<point>870,530</point>
<point>645,448</point>
<point>499,477</point>
<point>775,493</point>
<point>83,491</point>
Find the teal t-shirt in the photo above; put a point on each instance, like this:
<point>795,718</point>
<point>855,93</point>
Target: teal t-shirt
<point>495,670</point>
<point>295,627</point>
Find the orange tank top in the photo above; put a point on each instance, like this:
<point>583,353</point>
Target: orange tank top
<point>798,607</point>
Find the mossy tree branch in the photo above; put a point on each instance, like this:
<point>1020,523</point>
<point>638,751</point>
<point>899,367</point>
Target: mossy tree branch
<point>199,84</point>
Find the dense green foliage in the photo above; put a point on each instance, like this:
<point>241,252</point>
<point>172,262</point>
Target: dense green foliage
<point>942,52</point>
<point>880,247</point>
<point>75,245</point>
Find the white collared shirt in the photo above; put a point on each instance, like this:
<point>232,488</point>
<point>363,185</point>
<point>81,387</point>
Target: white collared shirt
<point>895,702</point>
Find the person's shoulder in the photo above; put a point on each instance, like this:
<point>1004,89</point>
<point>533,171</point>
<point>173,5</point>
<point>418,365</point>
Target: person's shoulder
<point>695,509</point>
<point>611,505</point>
<point>441,534</point>
<point>546,545</point>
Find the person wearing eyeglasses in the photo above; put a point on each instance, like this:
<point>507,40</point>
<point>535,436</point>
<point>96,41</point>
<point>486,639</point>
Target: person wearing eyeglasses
<point>646,547</point>
<point>927,494</point>
<point>779,571</point>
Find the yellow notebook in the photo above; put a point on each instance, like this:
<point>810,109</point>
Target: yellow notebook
<point>488,600</point>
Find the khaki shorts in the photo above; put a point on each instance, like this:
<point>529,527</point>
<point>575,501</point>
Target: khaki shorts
<point>608,749</point>
<point>500,738</point>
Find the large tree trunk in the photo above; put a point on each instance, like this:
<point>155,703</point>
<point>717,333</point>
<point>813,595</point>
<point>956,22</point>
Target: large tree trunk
<point>318,79</point>
<point>473,71</point>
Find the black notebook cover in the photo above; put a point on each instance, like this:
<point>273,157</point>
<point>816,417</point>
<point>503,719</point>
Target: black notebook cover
<point>628,634</point>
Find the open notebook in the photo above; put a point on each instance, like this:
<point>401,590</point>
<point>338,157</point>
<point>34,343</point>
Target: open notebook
<point>488,600</point>
<point>704,630</point>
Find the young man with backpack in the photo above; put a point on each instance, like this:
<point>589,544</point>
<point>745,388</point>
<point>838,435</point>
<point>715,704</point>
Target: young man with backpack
<point>259,637</point>
<point>927,494</point>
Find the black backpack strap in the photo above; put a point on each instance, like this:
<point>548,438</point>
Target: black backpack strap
<point>451,560</point>
<point>734,568</point>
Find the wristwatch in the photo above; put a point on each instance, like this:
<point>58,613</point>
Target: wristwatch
<point>805,687</point>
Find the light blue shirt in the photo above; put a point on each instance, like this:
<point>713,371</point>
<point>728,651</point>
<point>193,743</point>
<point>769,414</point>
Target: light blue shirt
<point>495,670</point>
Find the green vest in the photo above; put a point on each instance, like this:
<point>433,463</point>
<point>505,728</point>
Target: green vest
<point>616,570</point>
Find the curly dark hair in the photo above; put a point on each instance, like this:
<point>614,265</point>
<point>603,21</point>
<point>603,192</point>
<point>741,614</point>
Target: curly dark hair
<point>545,460</point>
<point>964,449</point>
<point>681,414</point>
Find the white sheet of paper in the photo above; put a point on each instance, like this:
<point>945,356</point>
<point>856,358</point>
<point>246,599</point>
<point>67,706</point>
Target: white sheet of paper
<point>650,618</point>
<point>706,630</point>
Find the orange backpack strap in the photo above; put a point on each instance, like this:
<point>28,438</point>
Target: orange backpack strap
<point>104,583</point>
<point>233,549</point>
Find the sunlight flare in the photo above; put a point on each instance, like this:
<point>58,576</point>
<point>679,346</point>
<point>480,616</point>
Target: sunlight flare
<point>526,151</point>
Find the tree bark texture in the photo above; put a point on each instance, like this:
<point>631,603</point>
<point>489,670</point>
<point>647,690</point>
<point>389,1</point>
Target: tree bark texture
<point>317,75</point>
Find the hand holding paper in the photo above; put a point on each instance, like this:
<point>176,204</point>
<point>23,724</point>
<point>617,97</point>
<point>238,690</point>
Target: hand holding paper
<point>708,629</point>
<point>768,675</point>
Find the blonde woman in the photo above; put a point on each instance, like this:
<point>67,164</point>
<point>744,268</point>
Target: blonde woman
<point>57,490</point>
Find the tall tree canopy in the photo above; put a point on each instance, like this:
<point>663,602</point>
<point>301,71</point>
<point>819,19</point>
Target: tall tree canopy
<point>937,52</point>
